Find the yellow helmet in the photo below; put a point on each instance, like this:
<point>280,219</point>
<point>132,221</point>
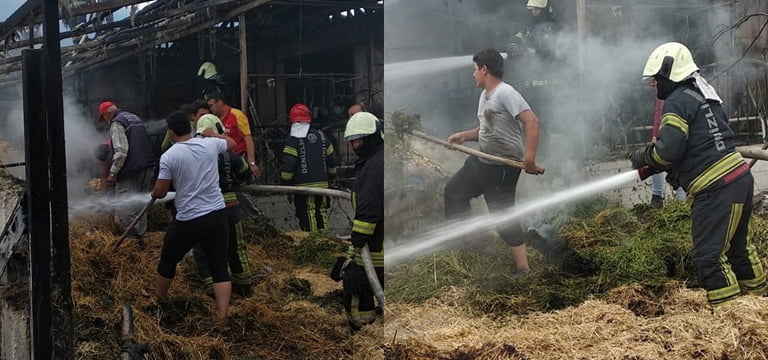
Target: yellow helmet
<point>361,124</point>
<point>671,60</point>
<point>537,3</point>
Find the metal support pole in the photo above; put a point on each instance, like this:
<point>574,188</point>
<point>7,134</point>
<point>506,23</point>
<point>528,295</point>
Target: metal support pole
<point>38,198</point>
<point>63,331</point>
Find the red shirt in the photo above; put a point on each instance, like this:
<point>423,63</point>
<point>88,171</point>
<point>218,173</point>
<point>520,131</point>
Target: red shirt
<point>236,125</point>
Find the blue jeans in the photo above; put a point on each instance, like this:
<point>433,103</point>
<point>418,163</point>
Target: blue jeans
<point>657,187</point>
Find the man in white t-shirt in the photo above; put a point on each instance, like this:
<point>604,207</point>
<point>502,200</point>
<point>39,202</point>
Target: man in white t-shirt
<point>503,113</point>
<point>191,165</point>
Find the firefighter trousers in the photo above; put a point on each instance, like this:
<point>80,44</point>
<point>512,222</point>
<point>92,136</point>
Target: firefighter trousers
<point>312,212</point>
<point>726,260</point>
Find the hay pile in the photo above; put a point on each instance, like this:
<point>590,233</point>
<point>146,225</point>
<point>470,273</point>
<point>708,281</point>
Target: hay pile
<point>443,328</point>
<point>596,329</point>
<point>295,312</point>
<point>627,290</point>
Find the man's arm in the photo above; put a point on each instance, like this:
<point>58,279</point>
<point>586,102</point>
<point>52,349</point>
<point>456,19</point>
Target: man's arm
<point>208,132</point>
<point>531,122</point>
<point>250,148</point>
<point>460,137</point>
<point>120,146</point>
<point>161,188</point>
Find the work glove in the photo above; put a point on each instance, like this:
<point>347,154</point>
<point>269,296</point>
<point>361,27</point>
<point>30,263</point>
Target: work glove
<point>672,180</point>
<point>337,273</point>
<point>355,282</point>
<point>646,171</point>
<point>638,158</point>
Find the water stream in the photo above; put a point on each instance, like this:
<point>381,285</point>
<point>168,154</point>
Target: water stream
<point>454,232</point>
<point>110,203</point>
<point>407,69</point>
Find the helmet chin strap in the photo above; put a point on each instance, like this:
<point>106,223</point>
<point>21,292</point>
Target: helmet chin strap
<point>664,87</point>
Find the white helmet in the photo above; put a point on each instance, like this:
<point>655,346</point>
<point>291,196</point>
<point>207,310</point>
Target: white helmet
<point>207,70</point>
<point>671,60</point>
<point>537,3</point>
<point>360,125</point>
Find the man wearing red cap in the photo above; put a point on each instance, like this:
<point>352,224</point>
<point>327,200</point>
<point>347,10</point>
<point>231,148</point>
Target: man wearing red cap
<point>133,162</point>
<point>308,160</point>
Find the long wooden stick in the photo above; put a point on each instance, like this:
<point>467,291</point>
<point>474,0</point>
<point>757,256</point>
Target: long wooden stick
<point>133,223</point>
<point>752,163</point>
<point>474,152</point>
<point>279,189</point>
<point>753,153</point>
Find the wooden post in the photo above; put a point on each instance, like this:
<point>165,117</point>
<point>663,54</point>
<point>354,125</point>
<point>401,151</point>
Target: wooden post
<point>38,200</point>
<point>63,327</point>
<point>243,65</point>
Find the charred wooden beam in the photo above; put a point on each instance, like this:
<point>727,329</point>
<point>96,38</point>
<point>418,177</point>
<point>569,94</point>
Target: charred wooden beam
<point>171,35</point>
<point>141,20</point>
<point>102,6</point>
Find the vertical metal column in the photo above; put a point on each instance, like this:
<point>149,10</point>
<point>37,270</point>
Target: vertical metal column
<point>38,198</point>
<point>63,331</point>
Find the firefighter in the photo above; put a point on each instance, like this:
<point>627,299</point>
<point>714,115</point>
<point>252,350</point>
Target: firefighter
<point>309,161</point>
<point>233,170</point>
<point>364,132</point>
<point>696,147</point>
<point>535,30</point>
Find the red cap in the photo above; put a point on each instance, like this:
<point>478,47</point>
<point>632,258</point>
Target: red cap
<point>300,113</point>
<point>103,107</point>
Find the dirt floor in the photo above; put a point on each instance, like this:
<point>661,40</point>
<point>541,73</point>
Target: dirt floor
<point>294,313</point>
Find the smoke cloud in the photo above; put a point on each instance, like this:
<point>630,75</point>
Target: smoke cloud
<point>593,93</point>
<point>81,139</point>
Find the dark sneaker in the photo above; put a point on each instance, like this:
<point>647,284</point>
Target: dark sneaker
<point>520,273</point>
<point>657,201</point>
<point>243,290</point>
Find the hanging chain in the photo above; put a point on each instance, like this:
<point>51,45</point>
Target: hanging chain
<point>212,39</point>
<point>201,46</point>
<point>143,67</point>
<point>152,64</point>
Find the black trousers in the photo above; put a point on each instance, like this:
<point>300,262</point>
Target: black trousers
<point>312,212</point>
<point>210,230</point>
<point>727,262</point>
<point>497,183</point>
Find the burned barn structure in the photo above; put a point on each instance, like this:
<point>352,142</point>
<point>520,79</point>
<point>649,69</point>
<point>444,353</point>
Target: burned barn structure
<point>264,56</point>
<point>150,58</point>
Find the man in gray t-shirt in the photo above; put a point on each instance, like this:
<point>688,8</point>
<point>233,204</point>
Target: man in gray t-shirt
<point>508,128</point>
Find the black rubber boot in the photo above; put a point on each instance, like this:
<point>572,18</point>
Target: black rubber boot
<point>657,201</point>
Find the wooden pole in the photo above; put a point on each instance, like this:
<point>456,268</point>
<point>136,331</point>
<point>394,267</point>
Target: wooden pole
<point>753,153</point>
<point>473,152</point>
<point>133,223</point>
<point>243,64</point>
<point>278,189</point>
